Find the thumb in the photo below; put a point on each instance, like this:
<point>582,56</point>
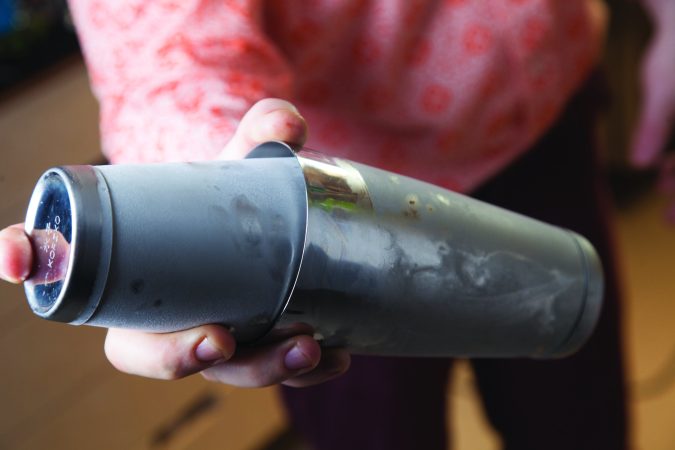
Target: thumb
<point>16,254</point>
<point>270,119</point>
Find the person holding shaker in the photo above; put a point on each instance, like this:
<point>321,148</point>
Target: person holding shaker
<point>496,99</point>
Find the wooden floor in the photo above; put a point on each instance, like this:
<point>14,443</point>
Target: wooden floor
<point>58,392</point>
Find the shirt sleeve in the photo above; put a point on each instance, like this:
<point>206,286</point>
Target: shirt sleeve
<point>174,77</point>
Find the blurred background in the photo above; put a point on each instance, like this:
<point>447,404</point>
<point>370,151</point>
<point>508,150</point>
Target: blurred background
<point>57,391</point>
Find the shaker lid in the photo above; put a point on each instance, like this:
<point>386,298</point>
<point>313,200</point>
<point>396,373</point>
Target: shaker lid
<point>68,223</point>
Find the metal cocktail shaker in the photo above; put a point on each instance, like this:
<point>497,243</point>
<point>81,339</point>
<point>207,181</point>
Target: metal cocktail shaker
<point>375,262</point>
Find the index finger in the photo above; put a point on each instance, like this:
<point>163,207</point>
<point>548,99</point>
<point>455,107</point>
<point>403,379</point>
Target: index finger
<point>16,254</point>
<point>270,119</point>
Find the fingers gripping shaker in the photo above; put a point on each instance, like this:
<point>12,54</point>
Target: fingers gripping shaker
<point>375,262</point>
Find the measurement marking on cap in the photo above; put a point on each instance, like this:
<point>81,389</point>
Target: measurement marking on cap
<point>49,246</point>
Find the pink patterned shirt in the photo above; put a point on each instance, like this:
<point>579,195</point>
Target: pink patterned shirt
<point>447,91</point>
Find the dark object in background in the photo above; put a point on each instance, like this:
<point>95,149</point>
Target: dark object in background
<point>33,35</point>
<point>630,31</point>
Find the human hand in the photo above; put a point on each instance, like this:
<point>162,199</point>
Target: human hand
<point>657,115</point>
<point>293,358</point>
<point>270,119</point>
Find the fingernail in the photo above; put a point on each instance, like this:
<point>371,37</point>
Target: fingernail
<point>207,352</point>
<point>295,359</point>
<point>279,123</point>
<point>285,104</point>
<point>8,243</point>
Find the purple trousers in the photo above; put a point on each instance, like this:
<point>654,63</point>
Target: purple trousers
<point>576,403</point>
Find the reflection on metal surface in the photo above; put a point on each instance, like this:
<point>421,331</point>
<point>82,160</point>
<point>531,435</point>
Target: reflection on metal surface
<point>333,183</point>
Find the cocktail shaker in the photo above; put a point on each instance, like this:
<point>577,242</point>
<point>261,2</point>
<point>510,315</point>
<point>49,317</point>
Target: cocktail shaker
<point>374,261</point>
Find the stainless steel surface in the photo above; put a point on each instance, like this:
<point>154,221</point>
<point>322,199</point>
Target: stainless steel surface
<point>373,261</point>
<point>181,244</point>
<point>69,221</point>
<point>427,272</point>
<point>333,183</point>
